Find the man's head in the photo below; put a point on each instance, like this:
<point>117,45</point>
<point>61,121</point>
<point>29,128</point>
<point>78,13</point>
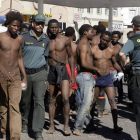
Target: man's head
<point>61,31</point>
<point>32,18</point>
<point>53,27</point>
<point>70,32</point>
<point>129,34</point>
<point>23,28</point>
<point>86,30</point>
<point>100,29</point>
<point>95,29</point>
<point>136,23</point>
<point>116,35</point>
<point>38,23</point>
<point>13,21</point>
<point>105,40</point>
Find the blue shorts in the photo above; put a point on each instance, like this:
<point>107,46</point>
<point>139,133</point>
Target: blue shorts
<point>104,81</point>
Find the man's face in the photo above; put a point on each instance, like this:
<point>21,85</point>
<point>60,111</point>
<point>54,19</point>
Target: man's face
<point>90,34</point>
<point>14,26</point>
<point>38,26</point>
<point>54,28</point>
<point>115,38</point>
<point>104,41</point>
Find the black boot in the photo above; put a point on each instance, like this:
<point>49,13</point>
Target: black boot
<point>38,135</point>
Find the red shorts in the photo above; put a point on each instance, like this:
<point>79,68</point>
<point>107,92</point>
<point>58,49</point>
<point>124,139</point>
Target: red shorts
<point>75,74</point>
<point>112,68</point>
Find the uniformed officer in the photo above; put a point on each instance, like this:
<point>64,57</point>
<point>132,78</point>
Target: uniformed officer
<point>35,51</point>
<point>132,49</point>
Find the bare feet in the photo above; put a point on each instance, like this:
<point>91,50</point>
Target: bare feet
<point>51,130</point>
<point>100,116</point>
<point>77,132</point>
<point>106,112</point>
<point>67,131</point>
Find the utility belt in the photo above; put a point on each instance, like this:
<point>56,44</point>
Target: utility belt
<point>32,71</point>
<point>131,69</point>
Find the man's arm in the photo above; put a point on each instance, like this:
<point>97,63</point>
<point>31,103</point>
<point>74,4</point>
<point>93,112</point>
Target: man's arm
<point>128,47</point>
<point>83,49</point>
<point>115,64</point>
<point>70,59</point>
<point>21,64</point>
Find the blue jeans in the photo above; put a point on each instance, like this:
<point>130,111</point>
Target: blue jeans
<point>86,84</point>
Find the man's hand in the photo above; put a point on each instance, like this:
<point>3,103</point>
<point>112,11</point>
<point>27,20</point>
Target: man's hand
<point>7,76</point>
<point>25,82</point>
<point>72,81</point>
<point>99,72</point>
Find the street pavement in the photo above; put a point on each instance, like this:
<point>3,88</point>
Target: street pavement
<point>104,131</point>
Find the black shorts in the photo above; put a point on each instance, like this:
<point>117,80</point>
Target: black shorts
<point>52,77</point>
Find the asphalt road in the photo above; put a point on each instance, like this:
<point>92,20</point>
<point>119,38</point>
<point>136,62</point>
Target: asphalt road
<point>105,127</point>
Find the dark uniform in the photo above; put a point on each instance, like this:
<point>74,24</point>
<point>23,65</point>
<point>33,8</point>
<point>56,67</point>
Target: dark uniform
<point>35,51</point>
<point>132,48</point>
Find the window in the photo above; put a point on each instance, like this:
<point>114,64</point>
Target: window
<point>89,10</point>
<point>106,11</point>
<point>62,25</point>
<point>99,11</point>
<point>115,12</point>
<point>132,13</point>
<point>132,8</point>
<point>81,10</point>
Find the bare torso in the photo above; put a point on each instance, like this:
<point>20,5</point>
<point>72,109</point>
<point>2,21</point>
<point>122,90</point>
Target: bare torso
<point>116,48</point>
<point>58,49</point>
<point>89,56</point>
<point>102,58</point>
<point>9,51</point>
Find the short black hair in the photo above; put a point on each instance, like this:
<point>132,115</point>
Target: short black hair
<point>117,32</point>
<point>130,32</point>
<point>84,28</point>
<point>23,25</point>
<point>52,21</point>
<point>100,28</point>
<point>95,27</point>
<point>69,31</point>
<point>106,33</point>
<point>13,15</point>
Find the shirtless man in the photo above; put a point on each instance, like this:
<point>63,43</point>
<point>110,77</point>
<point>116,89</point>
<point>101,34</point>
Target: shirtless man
<point>84,79</point>
<point>11,63</point>
<point>103,53</point>
<point>60,47</point>
<point>94,42</point>
<point>117,46</point>
<point>70,33</point>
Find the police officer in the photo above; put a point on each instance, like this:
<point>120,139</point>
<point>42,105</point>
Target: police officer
<point>132,48</point>
<point>35,51</point>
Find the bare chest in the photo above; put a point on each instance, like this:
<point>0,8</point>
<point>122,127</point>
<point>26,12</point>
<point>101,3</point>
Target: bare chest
<point>103,54</point>
<point>57,46</point>
<point>10,45</point>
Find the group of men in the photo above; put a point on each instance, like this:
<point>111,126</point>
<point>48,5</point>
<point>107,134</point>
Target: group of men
<point>38,61</point>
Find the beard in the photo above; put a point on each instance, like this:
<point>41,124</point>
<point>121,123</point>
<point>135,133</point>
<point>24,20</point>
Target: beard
<point>102,46</point>
<point>114,43</point>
